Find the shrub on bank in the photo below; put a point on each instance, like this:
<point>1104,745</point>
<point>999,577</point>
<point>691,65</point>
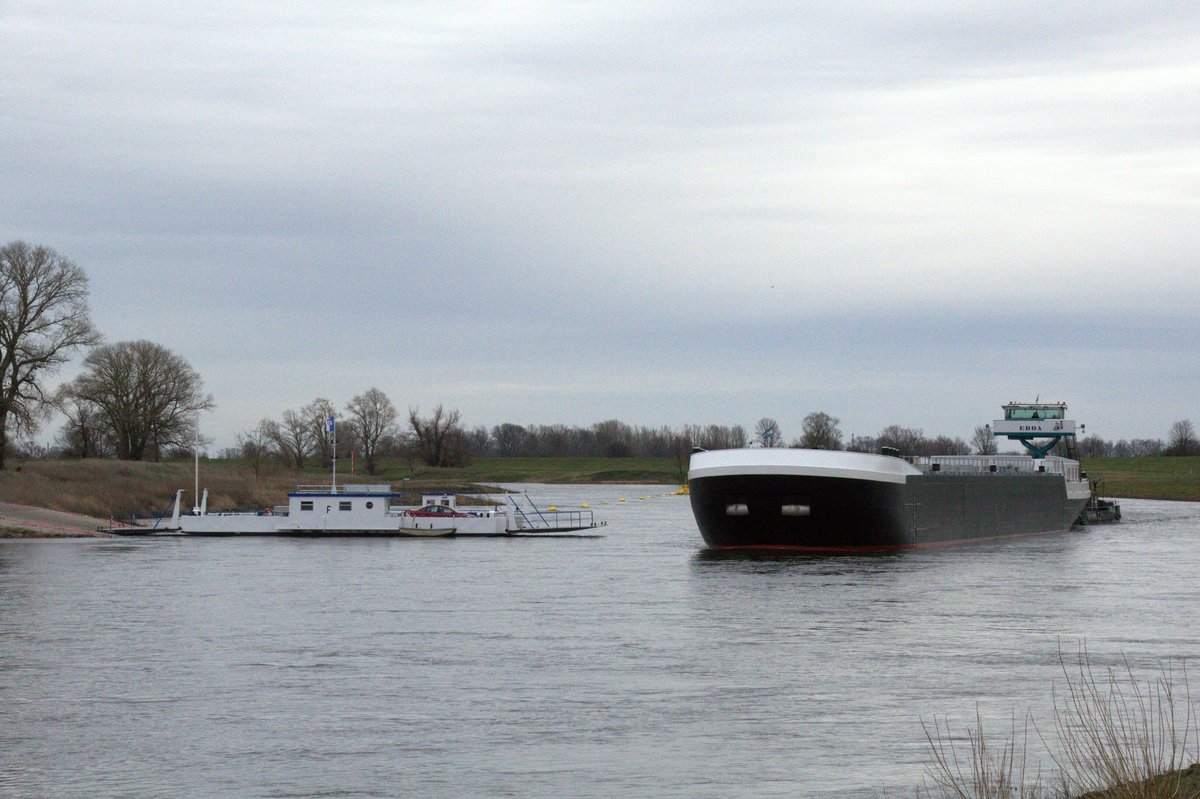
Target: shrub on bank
<point>1113,737</point>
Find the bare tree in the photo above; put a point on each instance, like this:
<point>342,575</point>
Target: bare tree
<point>983,441</point>
<point>316,412</point>
<point>681,448</point>
<point>255,445</point>
<point>347,440</point>
<point>1094,447</point>
<point>43,318</point>
<point>292,437</point>
<point>945,445</point>
<point>767,433</point>
<point>149,396</point>
<point>820,432</point>
<point>86,433</point>
<point>1181,439</point>
<point>510,439</point>
<point>480,442</point>
<point>1146,447</point>
<point>910,441</point>
<point>612,438</point>
<point>373,419</point>
<point>439,439</point>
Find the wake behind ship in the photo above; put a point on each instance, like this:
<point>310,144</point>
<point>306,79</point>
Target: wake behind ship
<point>834,501</point>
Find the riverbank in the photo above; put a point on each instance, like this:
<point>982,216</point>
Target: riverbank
<point>105,488</point>
<point>25,521</point>
<point>109,488</point>
<point>1183,784</point>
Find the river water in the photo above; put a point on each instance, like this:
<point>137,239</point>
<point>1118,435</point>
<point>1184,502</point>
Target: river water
<point>634,664</point>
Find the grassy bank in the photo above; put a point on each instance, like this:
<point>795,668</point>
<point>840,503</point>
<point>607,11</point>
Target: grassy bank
<point>1147,478</point>
<point>107,488</point>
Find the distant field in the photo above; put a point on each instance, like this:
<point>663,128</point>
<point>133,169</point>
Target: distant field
<point>1147,478</point>
<point>546,470</point>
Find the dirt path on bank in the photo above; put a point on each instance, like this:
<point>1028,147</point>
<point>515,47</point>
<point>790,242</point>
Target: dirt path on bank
<point>48,522</point>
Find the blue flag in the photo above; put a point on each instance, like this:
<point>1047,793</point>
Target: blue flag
<point>329,424</point>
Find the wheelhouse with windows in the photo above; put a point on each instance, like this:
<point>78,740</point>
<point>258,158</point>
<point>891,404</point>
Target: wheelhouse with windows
<point>1038,426</point>
<point>1027,411</point>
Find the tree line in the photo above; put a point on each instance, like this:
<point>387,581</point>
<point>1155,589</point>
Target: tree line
<point>369,427</point>
<point>138,400</point>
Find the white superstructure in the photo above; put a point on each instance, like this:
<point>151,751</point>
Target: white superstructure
<point>348,510</point>
<point>364,510</point>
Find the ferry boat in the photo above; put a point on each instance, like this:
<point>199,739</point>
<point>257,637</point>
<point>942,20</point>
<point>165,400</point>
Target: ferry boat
<point>372,510</point>
<point>835,501</point>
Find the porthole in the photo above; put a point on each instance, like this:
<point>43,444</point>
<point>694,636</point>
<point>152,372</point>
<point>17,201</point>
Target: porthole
<point>370,505</point>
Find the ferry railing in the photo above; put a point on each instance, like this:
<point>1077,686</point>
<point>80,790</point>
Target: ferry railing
<point>537,519</point>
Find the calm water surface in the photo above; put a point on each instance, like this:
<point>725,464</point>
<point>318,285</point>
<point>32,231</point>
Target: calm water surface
<point>629,665</point>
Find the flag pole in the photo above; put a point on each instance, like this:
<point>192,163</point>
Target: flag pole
<point>196,454</point>
<point>331,425</point>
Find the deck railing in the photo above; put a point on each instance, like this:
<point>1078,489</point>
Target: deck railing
<point>345,488</point>
<point>994,464</point>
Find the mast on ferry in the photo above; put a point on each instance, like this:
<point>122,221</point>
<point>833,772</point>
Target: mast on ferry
<point>331,427</point>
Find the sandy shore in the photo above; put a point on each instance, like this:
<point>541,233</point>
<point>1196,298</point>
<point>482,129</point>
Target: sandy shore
<point>24,521</point>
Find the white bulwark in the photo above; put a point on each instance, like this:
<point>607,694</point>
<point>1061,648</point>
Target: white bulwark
<point>800,462</point>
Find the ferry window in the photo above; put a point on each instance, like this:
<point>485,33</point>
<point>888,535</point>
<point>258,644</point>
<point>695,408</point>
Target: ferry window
<point>306,506</point>
<point>370,505</point>
<point>344,506</point>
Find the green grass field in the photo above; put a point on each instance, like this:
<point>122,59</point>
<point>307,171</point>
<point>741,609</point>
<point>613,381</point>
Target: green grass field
<point>1147,478</point>
<point>543,470</point>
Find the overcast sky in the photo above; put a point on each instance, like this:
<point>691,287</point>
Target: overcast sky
<point>667,213</point>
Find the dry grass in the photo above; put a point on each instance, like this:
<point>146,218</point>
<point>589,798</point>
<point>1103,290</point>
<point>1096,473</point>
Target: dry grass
<point>1115,738</point>
<point>983,772</point>
<point>26,532</point>
<point>114,488</point>
<point>107,488</point>
<point>1124,739</point>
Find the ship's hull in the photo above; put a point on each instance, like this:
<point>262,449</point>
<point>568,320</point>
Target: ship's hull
<point>846,502</point>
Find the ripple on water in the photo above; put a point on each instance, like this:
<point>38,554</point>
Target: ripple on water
<point>636,664</point>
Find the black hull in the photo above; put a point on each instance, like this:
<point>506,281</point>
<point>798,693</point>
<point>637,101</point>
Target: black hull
<point>862,515</point>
